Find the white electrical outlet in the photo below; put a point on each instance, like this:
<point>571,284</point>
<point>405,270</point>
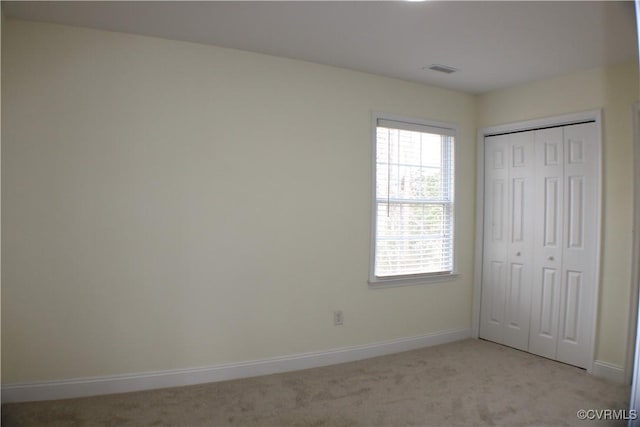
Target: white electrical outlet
<point>338,318</point>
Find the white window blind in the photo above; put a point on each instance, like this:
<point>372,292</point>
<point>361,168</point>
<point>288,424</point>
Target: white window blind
<point>414,207</point>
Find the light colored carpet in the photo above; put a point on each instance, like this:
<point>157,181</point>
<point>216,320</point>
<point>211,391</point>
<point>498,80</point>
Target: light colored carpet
<point>469,382</point>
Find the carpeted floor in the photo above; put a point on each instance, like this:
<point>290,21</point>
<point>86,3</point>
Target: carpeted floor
<point>467,383</point>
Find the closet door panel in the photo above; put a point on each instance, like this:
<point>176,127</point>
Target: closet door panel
<point>520,240</point>
<point>577,303</point>
<point>548,236</point>
<point>494,271</point>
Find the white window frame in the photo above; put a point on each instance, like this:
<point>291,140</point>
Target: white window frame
<point>411,279</point>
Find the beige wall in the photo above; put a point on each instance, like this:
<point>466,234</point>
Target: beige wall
<point>174,205</point>
<point>614,89</point>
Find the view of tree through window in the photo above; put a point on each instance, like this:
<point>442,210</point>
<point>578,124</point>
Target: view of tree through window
<point>414,201</point>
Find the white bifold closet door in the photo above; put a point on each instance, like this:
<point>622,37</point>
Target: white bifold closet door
<point>540,241</point>
<point>564,282</point>
<point>508,230</point>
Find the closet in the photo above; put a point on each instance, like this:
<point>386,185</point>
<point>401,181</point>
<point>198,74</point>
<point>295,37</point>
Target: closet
<point>540,241</point>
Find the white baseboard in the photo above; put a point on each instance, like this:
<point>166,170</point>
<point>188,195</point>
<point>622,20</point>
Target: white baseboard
<point>609,371</point>
<point>82,387</point>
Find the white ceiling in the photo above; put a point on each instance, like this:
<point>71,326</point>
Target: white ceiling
<point>493,44</point>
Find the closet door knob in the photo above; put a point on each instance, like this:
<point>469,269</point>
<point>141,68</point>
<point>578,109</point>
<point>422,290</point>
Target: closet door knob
<point>551,258</point>
<point>517,253</point>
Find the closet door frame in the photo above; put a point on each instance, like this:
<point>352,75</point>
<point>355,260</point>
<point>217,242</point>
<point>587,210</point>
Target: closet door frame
<point>569,119</point>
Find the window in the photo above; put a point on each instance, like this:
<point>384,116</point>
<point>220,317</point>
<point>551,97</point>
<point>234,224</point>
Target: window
<point>413,218</point>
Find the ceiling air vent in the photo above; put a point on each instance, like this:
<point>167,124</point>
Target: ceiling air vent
<point>441,68</point>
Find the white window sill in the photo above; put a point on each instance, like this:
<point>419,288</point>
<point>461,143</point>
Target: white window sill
<point>394,282</point>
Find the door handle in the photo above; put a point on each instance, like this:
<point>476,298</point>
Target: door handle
<point>551,258</point>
